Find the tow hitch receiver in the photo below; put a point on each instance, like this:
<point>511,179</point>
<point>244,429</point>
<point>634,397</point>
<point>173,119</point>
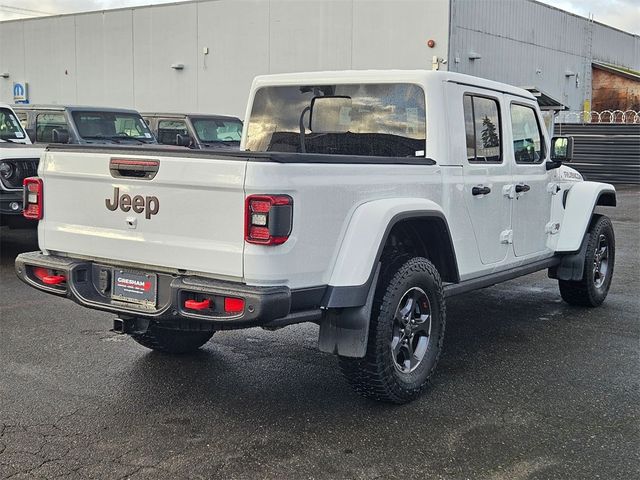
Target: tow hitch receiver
<point>130,325</point>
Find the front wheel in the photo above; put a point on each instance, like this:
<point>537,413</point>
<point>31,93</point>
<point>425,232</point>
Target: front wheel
<point>171,341</point>
<point>598,267</point>
<point>405,335</point>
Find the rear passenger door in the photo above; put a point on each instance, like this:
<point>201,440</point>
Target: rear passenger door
<point>486,174</point>
<point>532,192</point>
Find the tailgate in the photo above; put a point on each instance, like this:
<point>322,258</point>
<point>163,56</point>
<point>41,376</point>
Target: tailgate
<point>189,215</point>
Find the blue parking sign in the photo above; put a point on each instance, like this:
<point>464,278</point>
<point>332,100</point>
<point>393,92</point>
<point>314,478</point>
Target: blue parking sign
<point>20,92</point>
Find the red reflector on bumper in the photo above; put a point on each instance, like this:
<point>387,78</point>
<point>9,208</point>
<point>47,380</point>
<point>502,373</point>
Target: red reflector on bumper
<point>233,305</point>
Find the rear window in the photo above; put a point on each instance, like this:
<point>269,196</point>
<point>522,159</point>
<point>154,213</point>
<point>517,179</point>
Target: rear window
<point>385,120</point>
<point>10,128</point>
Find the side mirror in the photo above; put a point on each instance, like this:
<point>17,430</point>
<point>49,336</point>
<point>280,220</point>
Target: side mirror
<point>330,114</point>
<point>32,134</point>
<point>183,140</point>
<point>59,135</point>
<point>561,149</point>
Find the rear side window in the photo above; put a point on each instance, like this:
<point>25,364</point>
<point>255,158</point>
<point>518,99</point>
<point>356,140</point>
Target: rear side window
<point>46,123</point>
<point>168,130</point>
<point>482,129</point>
<point>528,142</point>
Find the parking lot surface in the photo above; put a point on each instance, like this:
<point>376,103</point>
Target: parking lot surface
<point>527,388</point>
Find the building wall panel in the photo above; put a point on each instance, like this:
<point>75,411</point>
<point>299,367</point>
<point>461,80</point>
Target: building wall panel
<point>50,59</point>
<point>237,53</point>
<point>167,36</point>
<point>12,57</point>
<point>394,34</point>
<point>309,35</point>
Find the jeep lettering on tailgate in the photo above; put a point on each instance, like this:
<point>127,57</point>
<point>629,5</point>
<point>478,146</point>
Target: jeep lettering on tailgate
<point>139,204</point>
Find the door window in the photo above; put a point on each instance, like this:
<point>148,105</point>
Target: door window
<point>528,143</point>
<point>482,128</point>
<point>169,129</point>
<point>46,123</point>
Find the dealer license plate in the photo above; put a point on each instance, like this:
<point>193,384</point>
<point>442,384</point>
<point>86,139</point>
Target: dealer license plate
<point>135,287</point>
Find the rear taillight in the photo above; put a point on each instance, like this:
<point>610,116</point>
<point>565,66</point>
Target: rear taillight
<point>269,219</point>
<point>32,188</point>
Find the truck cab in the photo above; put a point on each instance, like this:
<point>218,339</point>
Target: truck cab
<point>197,131</point>
<point>65,124</point>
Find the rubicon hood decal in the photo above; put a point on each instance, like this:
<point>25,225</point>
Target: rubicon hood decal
<point>149,205</point>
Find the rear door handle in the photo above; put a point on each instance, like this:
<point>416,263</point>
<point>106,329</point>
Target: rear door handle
<point>522,188</point>
<point>480,190</point>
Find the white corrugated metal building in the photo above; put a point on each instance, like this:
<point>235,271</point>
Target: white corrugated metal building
<point>127,57</point>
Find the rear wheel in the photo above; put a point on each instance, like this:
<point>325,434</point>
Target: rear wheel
<point>598,267</point>
<point>171,341</point>
<point>405,335</point>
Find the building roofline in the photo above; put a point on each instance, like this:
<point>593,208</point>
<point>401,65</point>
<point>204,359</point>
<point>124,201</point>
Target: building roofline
<point>187,2</point>
<point>622,71</point>
<point>583,18</point>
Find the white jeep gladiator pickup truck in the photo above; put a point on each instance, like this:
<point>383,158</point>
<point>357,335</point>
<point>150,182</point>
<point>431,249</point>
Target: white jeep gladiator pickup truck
<point>359,200</point>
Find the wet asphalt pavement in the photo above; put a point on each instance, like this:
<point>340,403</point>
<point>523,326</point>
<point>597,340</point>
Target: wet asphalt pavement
<point>527,388</point>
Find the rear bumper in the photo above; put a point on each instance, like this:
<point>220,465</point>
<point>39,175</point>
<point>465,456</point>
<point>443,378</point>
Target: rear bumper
<point>88,285</point>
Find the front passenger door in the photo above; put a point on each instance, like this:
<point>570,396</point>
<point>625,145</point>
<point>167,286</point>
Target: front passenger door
<point>532,192</point>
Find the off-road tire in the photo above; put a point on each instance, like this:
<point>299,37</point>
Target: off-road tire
<point>586,293</point>
<point>171,341</point>
<point>375,376</point>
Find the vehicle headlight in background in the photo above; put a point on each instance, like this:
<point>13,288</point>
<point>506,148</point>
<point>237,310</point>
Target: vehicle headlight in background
<point>7,170</point>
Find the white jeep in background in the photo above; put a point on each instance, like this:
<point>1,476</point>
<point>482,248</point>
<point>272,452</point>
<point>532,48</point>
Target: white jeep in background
<point>360,201</point>
<point>18,160</point>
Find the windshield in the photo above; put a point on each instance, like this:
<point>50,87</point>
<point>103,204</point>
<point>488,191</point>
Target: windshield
<point>356,119</point>
<point>10,128</point>
<point>112,126</point>
<point>211,130</point>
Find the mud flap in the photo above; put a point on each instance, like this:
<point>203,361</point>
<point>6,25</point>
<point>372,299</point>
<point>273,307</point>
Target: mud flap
<point>344,331</point>
<point>571,267</point>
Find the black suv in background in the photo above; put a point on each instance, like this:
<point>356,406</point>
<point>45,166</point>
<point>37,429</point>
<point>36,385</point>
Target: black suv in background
<point>195,130</point>
<point>83,125</point>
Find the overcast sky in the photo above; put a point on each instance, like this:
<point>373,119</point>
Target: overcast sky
<point>623,14</point>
